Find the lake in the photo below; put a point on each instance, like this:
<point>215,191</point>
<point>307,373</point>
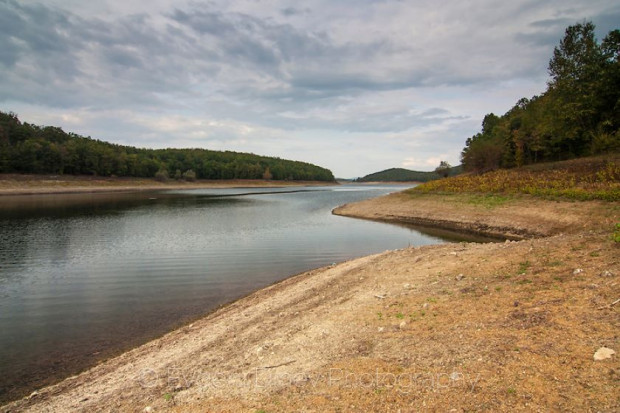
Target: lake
<point>86,276</point>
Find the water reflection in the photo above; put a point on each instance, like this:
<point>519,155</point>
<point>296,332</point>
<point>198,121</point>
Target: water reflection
<point>83,277</point>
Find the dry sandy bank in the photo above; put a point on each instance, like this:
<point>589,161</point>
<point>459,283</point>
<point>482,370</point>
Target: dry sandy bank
<point>13,184</point>
<point>458,327</point>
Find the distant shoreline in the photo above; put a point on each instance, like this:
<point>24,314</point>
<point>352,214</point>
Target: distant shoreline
<point>17,184</point>
<point>388,183</point>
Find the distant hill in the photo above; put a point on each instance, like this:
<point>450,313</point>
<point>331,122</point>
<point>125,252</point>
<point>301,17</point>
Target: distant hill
<point>31,149</point>
<point>406,175</point>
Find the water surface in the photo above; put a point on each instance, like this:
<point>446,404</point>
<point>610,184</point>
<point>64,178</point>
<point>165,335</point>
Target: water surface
<point>83,277</point>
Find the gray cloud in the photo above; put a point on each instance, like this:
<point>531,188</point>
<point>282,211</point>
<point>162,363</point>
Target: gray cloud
<point>294,11</point>
<point>380,68</point>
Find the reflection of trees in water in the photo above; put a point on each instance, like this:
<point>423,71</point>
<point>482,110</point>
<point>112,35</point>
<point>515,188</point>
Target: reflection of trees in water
<point>21,242</point>
<point>47,227</point>
<point>76,205</point>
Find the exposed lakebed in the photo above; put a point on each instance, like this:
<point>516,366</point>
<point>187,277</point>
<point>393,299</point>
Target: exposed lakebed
<point>85,276</point>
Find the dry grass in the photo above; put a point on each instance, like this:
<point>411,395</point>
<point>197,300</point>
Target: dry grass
<point>581,179</point>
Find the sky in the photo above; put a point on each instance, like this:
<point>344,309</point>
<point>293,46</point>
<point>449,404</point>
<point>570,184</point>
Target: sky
<point>356,86</point>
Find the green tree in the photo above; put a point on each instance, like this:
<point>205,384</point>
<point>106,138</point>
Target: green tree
<point>189,175</point>
<point>575,69</point>
<point>578,114</point>
<point>162,175</point>
<point>443,169</point>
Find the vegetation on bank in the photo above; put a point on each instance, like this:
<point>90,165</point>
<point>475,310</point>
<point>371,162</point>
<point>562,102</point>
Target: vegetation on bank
<point>579,179</point>
<point>564,143</point>
<point>406,175</point>
<point>32,149</point>
<point>578,115</point>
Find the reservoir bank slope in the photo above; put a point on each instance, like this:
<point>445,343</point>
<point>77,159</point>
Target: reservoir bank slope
<point>18,184</point>
<point>507,326</point>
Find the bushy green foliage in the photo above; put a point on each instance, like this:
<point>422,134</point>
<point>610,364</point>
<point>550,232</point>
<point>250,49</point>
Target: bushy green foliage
<point>162,175</point>
<point>26,148</point>
<point>443,169</point>
<point>189,175</point>
<point>578,115</point>
<point>406,175</point>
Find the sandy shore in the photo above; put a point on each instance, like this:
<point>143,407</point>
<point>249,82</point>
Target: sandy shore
<point>510,326</point>
<point>13,184</point>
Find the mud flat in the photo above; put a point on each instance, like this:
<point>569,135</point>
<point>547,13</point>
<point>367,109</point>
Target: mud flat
<point>14,184</point>
<point>510,326</point>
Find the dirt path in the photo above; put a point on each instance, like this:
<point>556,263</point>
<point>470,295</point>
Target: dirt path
<point>498,327</point>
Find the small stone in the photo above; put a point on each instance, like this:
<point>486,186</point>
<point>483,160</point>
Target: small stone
<point>402,325</point>
<point>33,394</point>
<point>380,329</point>
<point>607,273</point>
<point>577,271</point>
<point>425,305</point>
<point>459,277</point>
<point>603,353</point>
<point>148,409</point>
<point>407,286</point>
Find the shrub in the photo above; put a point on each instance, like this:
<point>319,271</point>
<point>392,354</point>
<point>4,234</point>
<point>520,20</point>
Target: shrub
<point>162,175</point>
<point>189,175</point>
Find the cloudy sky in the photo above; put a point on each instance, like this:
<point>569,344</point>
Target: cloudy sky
<point>356,86</point>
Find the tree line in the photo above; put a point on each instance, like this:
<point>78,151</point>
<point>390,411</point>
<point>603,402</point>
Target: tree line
<point>578,115</point>
<point>32,149</point>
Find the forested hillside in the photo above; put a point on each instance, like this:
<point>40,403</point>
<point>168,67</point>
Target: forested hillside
<point>578,115</point>
<point>26,148</point>
<point>406,175</point>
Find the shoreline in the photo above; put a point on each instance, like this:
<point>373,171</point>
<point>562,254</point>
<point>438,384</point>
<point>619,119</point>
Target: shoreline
<point>349,318</point>
<point>13,185</point>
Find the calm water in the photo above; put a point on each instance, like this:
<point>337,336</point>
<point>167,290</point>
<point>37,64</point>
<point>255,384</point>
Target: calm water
<point>83,277</point>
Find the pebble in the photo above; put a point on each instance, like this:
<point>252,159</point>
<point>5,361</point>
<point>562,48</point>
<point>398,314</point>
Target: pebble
<point>459,277</point>
<point>577,271</point>
<point>402,325</point>
<point>603,353</point>
<point>606,273</point>
<point>148,409</point>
